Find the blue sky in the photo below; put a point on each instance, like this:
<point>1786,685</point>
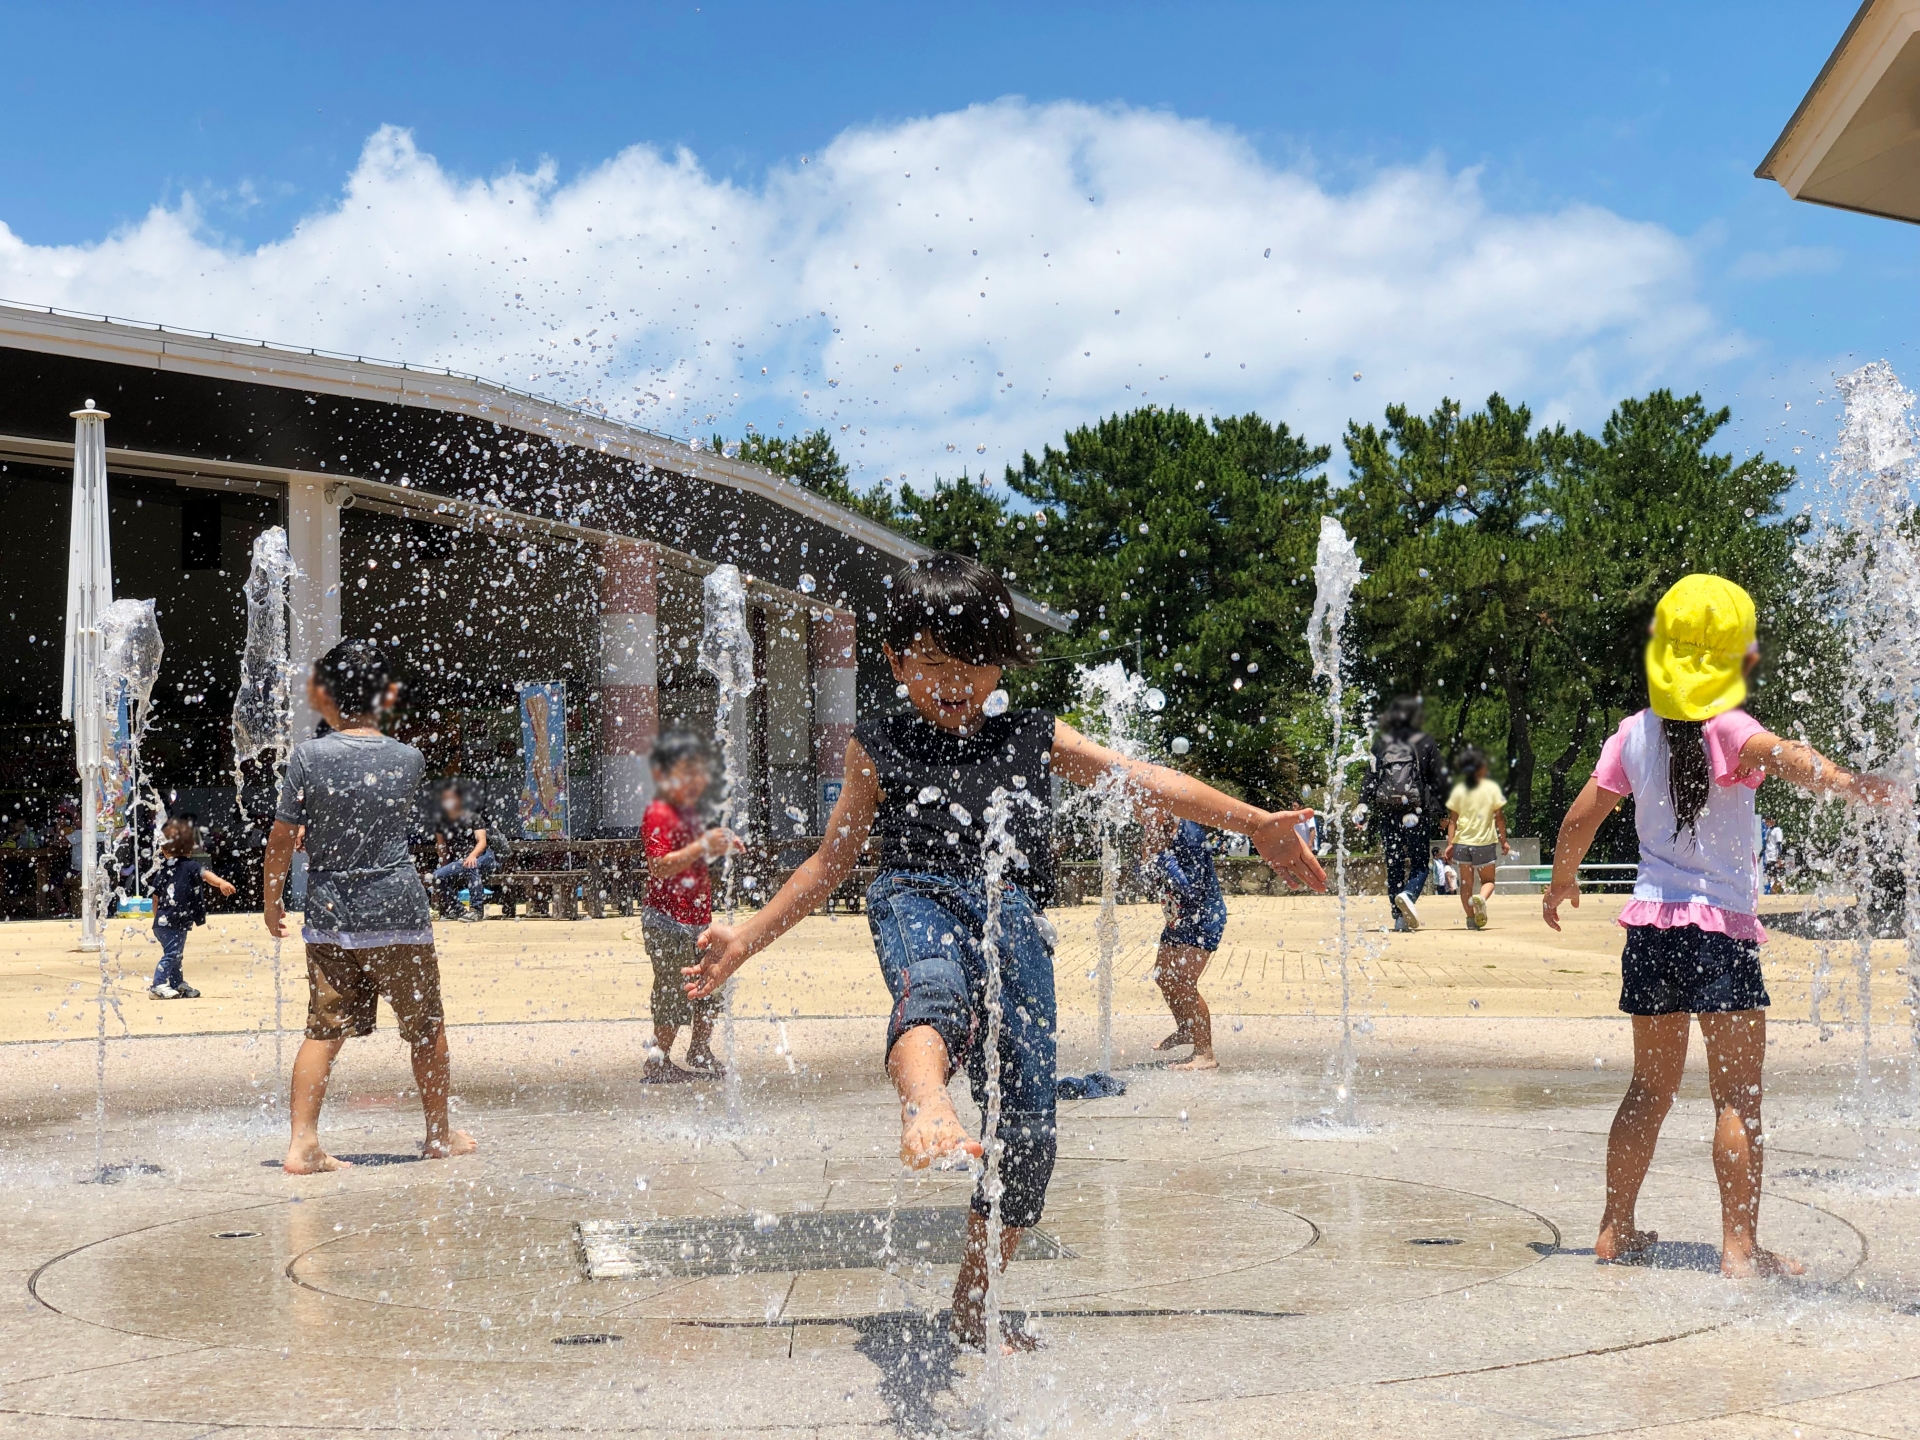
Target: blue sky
<point>248,121</point>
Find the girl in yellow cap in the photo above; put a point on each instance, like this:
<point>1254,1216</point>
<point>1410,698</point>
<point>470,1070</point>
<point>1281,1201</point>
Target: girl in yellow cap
<point>1692,761</point>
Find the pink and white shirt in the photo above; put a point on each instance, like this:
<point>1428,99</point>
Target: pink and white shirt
<point>1708,876</point>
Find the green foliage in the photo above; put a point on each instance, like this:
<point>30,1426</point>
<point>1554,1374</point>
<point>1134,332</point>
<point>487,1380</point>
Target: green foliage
<point>812,461</point>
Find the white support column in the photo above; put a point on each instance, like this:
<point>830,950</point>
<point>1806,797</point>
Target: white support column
<point>313,539</point>
<point>629,681</point>
<point>835,669</point>
<point>790,771</point>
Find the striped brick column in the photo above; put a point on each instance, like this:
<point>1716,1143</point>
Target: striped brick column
<point>629,681</point>
<point>831,655</point>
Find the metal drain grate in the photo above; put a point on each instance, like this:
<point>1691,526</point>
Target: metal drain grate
<point>810,1240</point>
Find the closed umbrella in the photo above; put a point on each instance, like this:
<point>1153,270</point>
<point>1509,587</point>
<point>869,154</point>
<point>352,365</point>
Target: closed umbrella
<point>82,699</point>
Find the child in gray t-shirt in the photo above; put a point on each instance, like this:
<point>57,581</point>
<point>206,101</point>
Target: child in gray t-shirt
<point>368,926</point>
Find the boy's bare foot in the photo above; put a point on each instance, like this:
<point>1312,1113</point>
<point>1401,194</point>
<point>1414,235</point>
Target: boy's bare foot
<point>933,1133</point>
<point>968,1326</point>
<point>312,1160</point>
<point>1758,1264</point>
<point>1198,1062</point>
<point>705,1062</point>
<point>663,1072</point>
<point>458,1142</point>
<point>1615,1246</point>
<point>1175,1041</point>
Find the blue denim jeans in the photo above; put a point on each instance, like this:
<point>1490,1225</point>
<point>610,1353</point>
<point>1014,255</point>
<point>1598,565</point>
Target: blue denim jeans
<point>456,875</point>
<point>173,946</point>
<point>927,929</point>
<point>1409,854</point>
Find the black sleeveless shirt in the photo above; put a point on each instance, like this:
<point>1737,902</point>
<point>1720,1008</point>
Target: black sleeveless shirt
<point>935,787</point>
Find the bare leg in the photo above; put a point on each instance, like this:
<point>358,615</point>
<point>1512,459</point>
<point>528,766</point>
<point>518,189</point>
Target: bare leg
<point>930,1128</point>
<point>1178,974</point>
<point>1736,1051</point>
<point>970,1289</point>
<point>659,1068</point>
<point>700,1054</point>
<point>312,1063</point>
<point>1659,1060</point>
<point>433,1074</point>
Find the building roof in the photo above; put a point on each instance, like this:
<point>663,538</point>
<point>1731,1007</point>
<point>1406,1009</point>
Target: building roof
<point>1854,141</point>
<point>113,341</point>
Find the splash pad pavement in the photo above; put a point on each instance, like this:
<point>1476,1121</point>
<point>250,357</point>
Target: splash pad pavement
<point>1219,1251</point>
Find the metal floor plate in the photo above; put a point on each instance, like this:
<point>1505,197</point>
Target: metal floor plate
<point>808,1240</point>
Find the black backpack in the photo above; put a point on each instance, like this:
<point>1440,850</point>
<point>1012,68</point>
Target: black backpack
<point>1398,790</point>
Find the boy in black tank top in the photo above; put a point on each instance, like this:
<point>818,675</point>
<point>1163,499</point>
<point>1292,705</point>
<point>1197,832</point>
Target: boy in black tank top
<point>920,782</point>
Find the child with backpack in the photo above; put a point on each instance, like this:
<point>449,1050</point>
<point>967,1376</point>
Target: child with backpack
<point>1692,761</point>
<point>1400,792</point>
<point>179,905</point>
<point>922,780</point>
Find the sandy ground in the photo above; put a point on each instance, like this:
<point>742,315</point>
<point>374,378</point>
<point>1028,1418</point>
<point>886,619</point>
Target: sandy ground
<point>1280,956</point>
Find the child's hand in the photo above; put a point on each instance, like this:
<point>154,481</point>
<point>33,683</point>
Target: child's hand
<point>275,917</point>
<point>723,950</point>
<point>1559,890</point>
<point>717,841</point>
<point>1447,853</point>
<point>1282,848</point>
<point>225,887</point>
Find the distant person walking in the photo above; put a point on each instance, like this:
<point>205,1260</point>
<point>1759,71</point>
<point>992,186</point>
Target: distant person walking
<point>1692,761</point>
<point>1476,833</point>
<point>1402,793</point>
<point>1773,854</point>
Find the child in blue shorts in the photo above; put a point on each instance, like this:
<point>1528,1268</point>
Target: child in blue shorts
<point>921,781</point>
<point>1196,918</point>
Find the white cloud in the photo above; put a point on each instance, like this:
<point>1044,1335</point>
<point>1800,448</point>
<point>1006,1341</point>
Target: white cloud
<point>986,277</point>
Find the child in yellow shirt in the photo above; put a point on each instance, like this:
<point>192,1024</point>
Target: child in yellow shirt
<point>1476,833</point>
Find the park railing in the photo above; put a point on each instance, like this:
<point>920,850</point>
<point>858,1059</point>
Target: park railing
<point>1592,877</point>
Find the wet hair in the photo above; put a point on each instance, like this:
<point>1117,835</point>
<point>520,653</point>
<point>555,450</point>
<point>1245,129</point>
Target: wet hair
<point>1689,782</point>
<point>356,675</point>
<point>959,605</point>
<point>675,748</point>
<point>1468,764</point>
<point>182,837</point>
<point>1402,715</point>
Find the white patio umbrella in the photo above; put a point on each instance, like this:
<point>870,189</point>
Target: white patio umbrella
<point>82,700</point>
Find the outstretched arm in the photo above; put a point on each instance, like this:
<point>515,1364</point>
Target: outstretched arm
<point>725,948</point>
<point>1798,763</point>
<point>1079,760</point>
<point>1576,838</point>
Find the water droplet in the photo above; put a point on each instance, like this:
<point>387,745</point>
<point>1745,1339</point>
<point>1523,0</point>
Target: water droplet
<point>995,704</point>
<point>930,795</point>
<point>1424,575</point>
<point>1356,374</point>
<point>960,813</point>
<point>901,691</point>
<point>1181,745</point>
<point>807,584</point>
<point>1460,491</point>
<point>1143,527</point>
<point>1253,667</point>
<point>1156,700</point>
<point>765,1221</point>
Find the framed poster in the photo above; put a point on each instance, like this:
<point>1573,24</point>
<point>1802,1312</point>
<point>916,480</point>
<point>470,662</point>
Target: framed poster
<point>543,743</point>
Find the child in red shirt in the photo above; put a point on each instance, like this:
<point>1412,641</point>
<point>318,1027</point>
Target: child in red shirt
<point>679,903</point>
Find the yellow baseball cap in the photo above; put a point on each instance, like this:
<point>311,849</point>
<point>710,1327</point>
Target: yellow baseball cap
<point>1703,629</point>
